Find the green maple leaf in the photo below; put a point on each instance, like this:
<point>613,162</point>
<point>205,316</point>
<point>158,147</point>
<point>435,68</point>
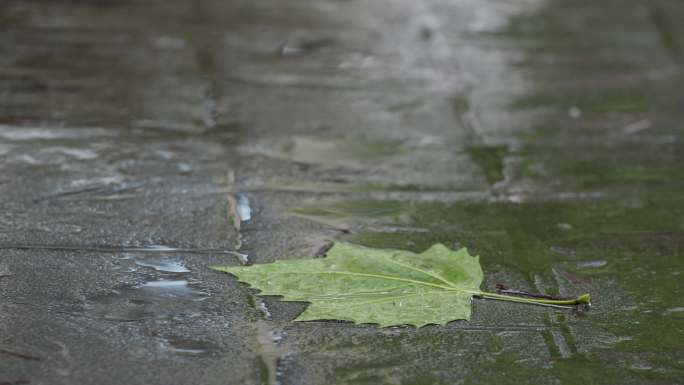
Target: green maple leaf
<point>380,286</point>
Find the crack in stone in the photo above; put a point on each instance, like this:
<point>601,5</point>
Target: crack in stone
<point>117,249</point>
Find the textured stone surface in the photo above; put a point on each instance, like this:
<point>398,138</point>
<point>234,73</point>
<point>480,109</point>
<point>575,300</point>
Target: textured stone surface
<point>141,141</point>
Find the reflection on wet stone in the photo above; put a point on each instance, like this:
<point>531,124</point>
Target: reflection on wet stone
<point>165,293</point>
<point>163,266</point>
<point>142,141</point>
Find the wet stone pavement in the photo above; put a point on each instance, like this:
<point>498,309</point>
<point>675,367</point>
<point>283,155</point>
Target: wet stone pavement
<point>141,141</point>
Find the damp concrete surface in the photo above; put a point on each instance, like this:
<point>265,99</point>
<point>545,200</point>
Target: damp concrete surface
<point>142,141</point>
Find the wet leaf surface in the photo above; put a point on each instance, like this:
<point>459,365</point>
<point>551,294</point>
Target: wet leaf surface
<point>364,285</point>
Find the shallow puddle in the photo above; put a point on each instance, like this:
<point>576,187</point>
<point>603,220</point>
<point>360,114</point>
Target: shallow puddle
<point>166,292</point>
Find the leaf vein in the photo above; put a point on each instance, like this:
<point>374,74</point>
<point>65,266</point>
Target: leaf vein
<point>435,276</point>
<point>388,277</point>
<point>359,303</point>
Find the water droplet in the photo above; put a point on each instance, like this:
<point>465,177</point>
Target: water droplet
<point>243,258</point>
<point>264,309</point>
<point>167,284</point>
<point>160,248</point>
<point>594,264</point>
<point>574,112</point>
<point>244,209</point>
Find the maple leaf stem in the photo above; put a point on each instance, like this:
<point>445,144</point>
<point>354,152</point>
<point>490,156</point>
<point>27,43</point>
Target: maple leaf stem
<point>583,299</point>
